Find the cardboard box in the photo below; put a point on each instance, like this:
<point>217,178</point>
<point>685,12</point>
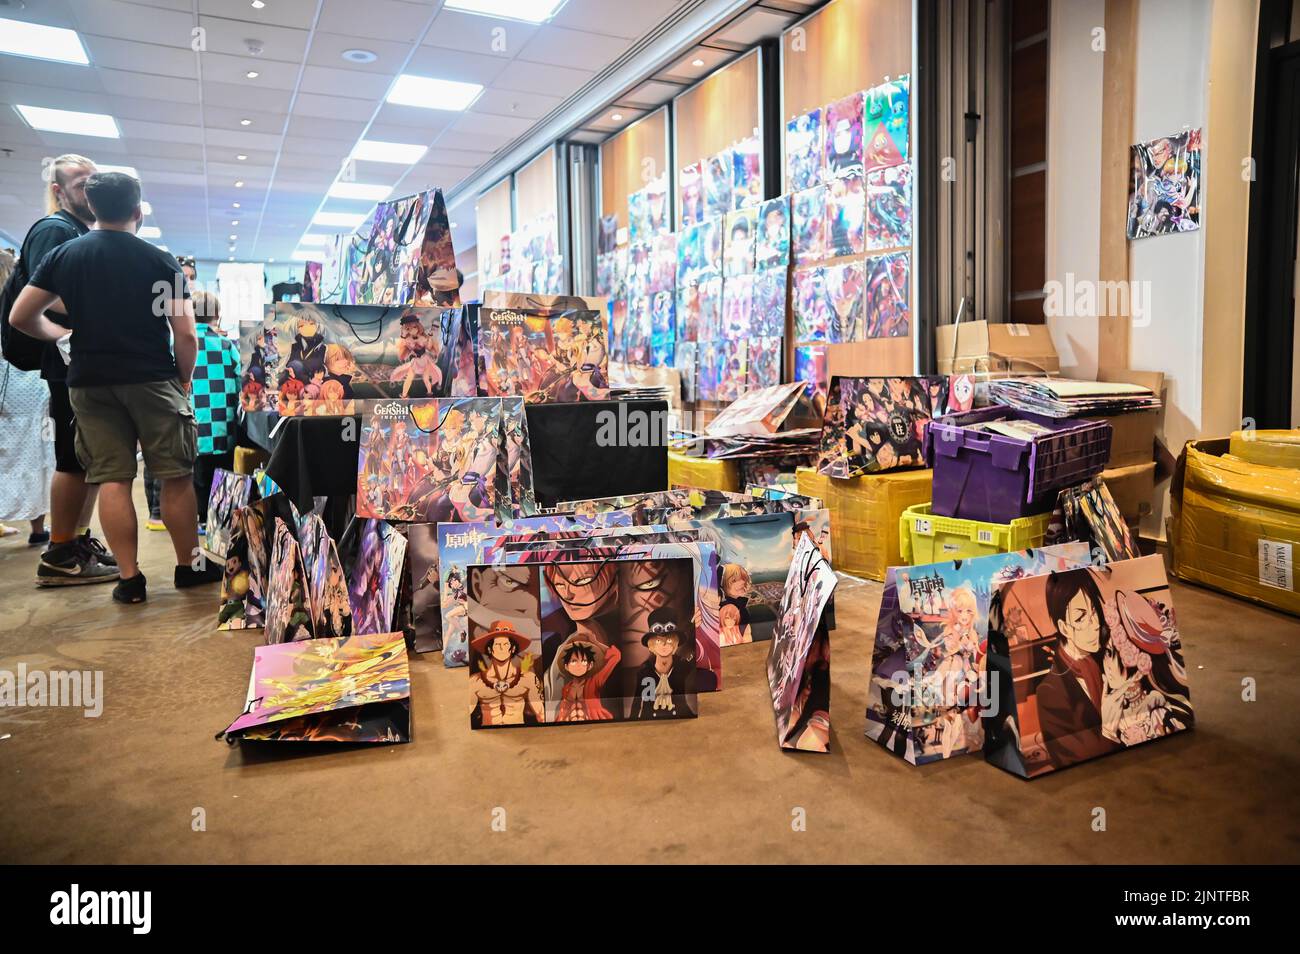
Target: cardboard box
<point>875,357</point>
<point>865,514</point>
<point>1235,525</point>
<point>701,472</point>
<point>1133,438</point>
<point>1271,448</point>
<point>980,347</point>
<point>1133,488</point>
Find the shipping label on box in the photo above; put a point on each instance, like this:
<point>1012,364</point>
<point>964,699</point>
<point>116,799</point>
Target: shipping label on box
<point>1275,566</point>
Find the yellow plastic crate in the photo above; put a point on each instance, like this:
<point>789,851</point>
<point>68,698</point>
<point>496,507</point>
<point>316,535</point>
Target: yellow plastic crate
<point>701,472</point>
<point>927,538</point>
<point>864,515</point>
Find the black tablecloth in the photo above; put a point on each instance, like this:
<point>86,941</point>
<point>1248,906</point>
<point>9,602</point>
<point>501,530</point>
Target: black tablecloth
<point>317,456</point>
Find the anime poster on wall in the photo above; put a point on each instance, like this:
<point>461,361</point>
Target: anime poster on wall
<point>638,227</point>
<point>772,243</point>
<point>707,358</point>
<point>810,366</point>
<point>845,214</point>
<point>843,285</point>
<point>607,238</point>
<point>1164,188</point>
<point>691,186</point>
<point>889,207</point>
<point>885,133</point>
<point>1089,662</point>
<point>842,138</point>
<point>738,306</point>
<point>747,173</point>
<point>770,291</point>
<point>717,184</point>
<point>663,329</point>
<point>732,369</point>
<point>738,253</point>
<point>812,319</point>
<point>887,302</point>
<point>710,307</point>
<point>808,241</point>
<point>803,151</point>
<point>763,360</point>
<point>656,206</point>
<point>710,239</point>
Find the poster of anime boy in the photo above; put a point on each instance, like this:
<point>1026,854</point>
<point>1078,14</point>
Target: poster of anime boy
<point>772,243</point>
<point>887,298</point>
<point>843,288</point>
<point>1164,187</point>
<point>799,659</point>
<point>1089,662</point>
<point>690,186</point>
<point>747,175</point>
<point>889,207</point>
<point>803,151</point>
<point>842,137</point>
<point>885,132</point>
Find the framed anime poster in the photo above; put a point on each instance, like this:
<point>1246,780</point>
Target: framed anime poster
<point>799,657</point>
<point>878,424</point>
<point>557,648</point>
<point>803,151</point>
<point>887,124</point>
<point>887,301</point>
<point>889,208</point>
<point>928,690</point>
<point>1165,186</point>
<point>1087,662</point>
<point>842,138</point>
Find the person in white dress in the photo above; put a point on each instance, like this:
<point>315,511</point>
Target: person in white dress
<point>26,445</point>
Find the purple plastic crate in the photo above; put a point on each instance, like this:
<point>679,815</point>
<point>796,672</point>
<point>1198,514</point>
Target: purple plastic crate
<point>979,475</point>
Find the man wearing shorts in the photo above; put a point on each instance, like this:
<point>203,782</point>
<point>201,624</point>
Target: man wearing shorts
<point>127,388</point>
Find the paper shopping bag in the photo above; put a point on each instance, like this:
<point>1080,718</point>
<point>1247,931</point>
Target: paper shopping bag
<point>544,348</point>
<point>877,424</point>
<point>374,577</point>
<point>351,689</point>
<point>327,585</point>
<point>248,561</point>
<point>230,492</point>
<point>799,659</point>
<point>288,610</point>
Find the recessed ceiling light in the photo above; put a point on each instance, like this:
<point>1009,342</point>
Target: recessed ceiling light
<point>149,231</point>
<point>241,157</point>
<point>374,150</point>
<point>347,220</point>
<point>234,205</point>
<point>271,260</point>
<point>129,170</point>
<point>431,93</point>
<point>359,56</point>
<point>697,62</point>
<point>245,122</point>
<point>455,225</point>
<point>70,121</point>
<point>532,11</point>
<point>301,256</point>
<point>252,74</point>
<point>359,190</point>
<point>234,221</point>
<point>146,208</point>
<point>239,183</point>
<point>42,42</point>
<point>617,117</point>
<point>233,237</point>
<point>258,4</point>
<point>231,259</point>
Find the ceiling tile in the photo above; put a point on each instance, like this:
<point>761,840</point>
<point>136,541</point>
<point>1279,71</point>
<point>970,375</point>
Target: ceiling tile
<point>560,47</point>
<point>627,20</point>
<point>375,19</point>
<point>540,78</point>
<point>454,30</point>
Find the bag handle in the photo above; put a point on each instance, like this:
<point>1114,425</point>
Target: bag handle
<point>378,320</point>
<point>808,569</point>
<point>403,239</point>
<point>429,430</point>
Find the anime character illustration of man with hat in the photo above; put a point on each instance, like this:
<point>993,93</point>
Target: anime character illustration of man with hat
<point>665,683</point>
<point>582,667</point>
<point>504,688</point>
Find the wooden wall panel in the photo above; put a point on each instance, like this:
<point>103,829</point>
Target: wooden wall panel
<point>493,216</point>
<point>537,189</point>
<point>626,158</point>
<point>847,46</point>
<point>721,110</point>
<point>1118,80</point>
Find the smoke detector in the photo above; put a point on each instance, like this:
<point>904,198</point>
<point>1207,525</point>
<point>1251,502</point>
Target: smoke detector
<point>359,56</point>
<point>254,47</point>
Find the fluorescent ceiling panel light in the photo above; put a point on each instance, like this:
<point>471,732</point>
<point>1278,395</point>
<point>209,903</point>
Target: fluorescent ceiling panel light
<point>70,121</point>
<point>359,190</point>
<point>430,93</point>
<point>531,11</point>
<point>346,220</point>
<point>314,239</point>
<point>301,256</point>
<point>375,150</point>
<point>42,42</point>
<point>149,231</point>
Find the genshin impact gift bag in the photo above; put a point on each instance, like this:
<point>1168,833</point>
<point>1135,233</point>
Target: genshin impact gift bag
<point>288,609</point>
<point>876,424</point>
<point>544,348</point>
<point>353,689</point>
<point>799,659</point>
<point>1085,662</point>
<point>548,644</point>
<point>432,461</point>
<point>248,561</point>
<point>926,693</point>
<point>230,493</point>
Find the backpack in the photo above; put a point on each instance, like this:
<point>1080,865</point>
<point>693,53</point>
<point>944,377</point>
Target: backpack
<point>22,351</point>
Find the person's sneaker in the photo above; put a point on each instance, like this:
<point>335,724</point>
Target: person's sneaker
<point>38,539</point>
<point>130,590</point>
<point>98,549</point>
<point>72,564</point>
<point>154,523</point>
<point>187,576</point>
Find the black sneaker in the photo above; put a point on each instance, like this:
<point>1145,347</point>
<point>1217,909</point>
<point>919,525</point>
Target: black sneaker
<point>97,548</point>
<point>188,576</point>
<point>38,539</point>
<point>130,590</point>
<point>73,564</point>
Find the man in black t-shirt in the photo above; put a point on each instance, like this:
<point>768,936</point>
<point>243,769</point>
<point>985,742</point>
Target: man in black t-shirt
<point>122,296</point>
<point>74,556</point>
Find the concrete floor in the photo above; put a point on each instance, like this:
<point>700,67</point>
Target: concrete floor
<point>124,787</point>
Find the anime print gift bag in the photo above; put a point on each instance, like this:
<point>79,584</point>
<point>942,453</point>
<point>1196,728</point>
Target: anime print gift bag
<point>927,688</point>
<point>799,659</point>
<point>544,348</point>
<point>248,561</point>
<point>288,605</point>
<point>1085,662</point>
<point>877,424</point>
<point>230,493</point>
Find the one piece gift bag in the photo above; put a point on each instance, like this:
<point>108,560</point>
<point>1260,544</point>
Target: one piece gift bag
<point>1085,662</point>
<point>927,689</point>
<point>354,689</point>
<point>799,659</point>
<point>876,424</point>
